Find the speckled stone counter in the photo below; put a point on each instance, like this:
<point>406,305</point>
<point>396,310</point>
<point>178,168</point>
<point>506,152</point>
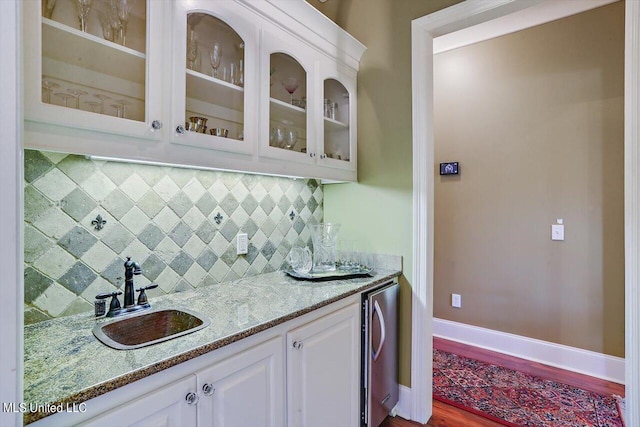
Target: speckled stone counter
<point>64,362</point>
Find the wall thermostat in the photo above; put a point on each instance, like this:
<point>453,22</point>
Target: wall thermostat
<point>449,168</point>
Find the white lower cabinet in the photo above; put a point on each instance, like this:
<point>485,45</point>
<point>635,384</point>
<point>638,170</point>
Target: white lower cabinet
<point>323,371</point>
<point>246,386</point>
<point>244,390</point>
<point>167,407</point>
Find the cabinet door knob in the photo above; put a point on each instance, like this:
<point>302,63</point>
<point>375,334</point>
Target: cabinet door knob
<point>156,125</point>
<point>297,345</point>
<point>312,154</point>
<point>180,129</point>
<point>208,389</point>
<point>192,398</point>
<point>323,156</point>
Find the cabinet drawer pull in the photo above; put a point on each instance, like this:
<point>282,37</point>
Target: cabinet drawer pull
<point>297,345</point>
<point>208,389</point>
<point>192,398</point>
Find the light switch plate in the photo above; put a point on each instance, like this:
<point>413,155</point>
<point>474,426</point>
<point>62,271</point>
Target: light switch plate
<point>557,232</point>
<point>242,243</point>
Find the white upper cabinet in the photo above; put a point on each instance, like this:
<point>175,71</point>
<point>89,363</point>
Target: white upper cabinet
<point>230,84</point>
<point>215,68</point>
<point>92,65</point>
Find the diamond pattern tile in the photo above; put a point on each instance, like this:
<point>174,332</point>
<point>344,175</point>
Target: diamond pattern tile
<point>77,241</point>
<point>55,185</point>
<point>117,203</point>
<point>180,224</point>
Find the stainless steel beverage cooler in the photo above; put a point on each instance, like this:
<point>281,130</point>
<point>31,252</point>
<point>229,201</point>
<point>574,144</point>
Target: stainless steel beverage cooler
<point>380,354</point>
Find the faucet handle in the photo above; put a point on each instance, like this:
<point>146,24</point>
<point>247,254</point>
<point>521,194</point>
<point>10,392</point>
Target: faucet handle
<point>142,298</point>
<point>115,303</point>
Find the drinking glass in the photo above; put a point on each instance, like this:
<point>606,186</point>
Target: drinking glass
<point>94,106</point>
<point>83,6</point>
<point>105,22</point>
<point>300,259</point>
<point>119,110</point>
<point>65,97</point>
<point>47,8</point>
<point>102,98</point>
<point>291,136</point>
<point>291,85</point>
<point>192,49</point>
<point>123,105</point>
<point>77,93</point>
<point>123,7</point>
<point>279,137</point>
<point>215,56</point>
<point>47,87</point>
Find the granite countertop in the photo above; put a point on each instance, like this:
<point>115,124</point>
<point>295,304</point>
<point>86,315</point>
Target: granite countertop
<point>64,362</point>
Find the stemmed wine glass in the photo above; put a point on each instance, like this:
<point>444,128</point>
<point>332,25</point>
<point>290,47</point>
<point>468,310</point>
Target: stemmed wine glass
<point>291,85</point>
<point>291,136</point>
<point>47,8</point>
<point>215,55</point>
<point>76,93</point>
<point>95,106</point>
<point>123,8</point>
<point>65,97</point>
<point>192,49</point>
<point>83,6</point>
<point>102,98</point>
<point>121,108</point>
<point>47,87</point>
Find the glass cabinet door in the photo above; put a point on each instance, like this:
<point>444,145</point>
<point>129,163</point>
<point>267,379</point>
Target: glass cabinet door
<point>216,72</point>
<point>287,104</point>
<point>336,121</point>
<point>87,64</point>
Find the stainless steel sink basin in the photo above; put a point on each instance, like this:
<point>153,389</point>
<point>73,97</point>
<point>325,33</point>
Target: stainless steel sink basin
<point>149,328</point>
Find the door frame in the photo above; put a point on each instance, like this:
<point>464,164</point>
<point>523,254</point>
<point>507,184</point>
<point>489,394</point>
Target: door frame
<point>464,16</point>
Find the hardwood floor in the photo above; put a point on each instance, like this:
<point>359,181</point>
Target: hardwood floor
<point>449,416</point>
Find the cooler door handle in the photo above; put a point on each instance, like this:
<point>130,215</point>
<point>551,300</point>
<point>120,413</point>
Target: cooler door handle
<point>376,309</point>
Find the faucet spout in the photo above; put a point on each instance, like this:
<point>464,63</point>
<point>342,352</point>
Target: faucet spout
<point>131,268</point>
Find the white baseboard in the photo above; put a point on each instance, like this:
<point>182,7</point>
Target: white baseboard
<point>403,408</point>
<point>573,359</point>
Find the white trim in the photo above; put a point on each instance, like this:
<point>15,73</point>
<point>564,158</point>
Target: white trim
<point>455,18</point>
<point>572,359</point>
<point>11,288</point>
<point>632,209</point>
<point>540,13</point>
<point>403,408</point>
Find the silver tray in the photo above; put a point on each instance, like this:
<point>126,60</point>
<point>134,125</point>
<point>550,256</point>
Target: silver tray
<point>330,275</point>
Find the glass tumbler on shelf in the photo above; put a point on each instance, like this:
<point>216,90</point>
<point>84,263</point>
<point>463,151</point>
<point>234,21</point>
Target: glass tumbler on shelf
<point>47,87</point>
<point>83,7</point>
<point>324,237</point>
<point>47,8</point>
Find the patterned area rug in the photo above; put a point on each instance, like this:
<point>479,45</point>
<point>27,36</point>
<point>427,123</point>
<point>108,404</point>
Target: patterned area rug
<point>516,399</point>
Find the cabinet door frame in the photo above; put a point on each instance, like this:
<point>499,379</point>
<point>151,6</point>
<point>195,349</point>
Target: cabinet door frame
<point>170,398</point>
<point>268,355</point>
<point>348,78</point>
<point>297,372</point>
<point>231,14</point>
<point>271,43</point>
<point>38,111</point>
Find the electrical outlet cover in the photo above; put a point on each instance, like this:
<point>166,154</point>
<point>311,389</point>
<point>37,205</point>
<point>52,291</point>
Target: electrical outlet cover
<point>242,242</point>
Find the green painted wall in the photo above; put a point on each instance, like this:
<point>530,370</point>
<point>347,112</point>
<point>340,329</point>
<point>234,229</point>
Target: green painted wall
<point>376,212</point>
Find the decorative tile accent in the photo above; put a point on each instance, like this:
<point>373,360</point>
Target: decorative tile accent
<point>179,224</point>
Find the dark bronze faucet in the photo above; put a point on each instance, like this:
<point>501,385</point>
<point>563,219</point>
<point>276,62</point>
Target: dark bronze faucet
<point>131,268</point>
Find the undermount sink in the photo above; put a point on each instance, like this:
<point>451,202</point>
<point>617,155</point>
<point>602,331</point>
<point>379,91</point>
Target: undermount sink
<point>150,328</point>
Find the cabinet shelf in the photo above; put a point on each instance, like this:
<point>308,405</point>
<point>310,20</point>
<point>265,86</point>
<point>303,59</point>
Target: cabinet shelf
<point>214,91</point>
<point>288,114</point>
<point>65,44</point>
<point>332,125</point>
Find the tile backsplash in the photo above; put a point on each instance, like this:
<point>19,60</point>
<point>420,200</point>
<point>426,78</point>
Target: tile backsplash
<point>180,224</point>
